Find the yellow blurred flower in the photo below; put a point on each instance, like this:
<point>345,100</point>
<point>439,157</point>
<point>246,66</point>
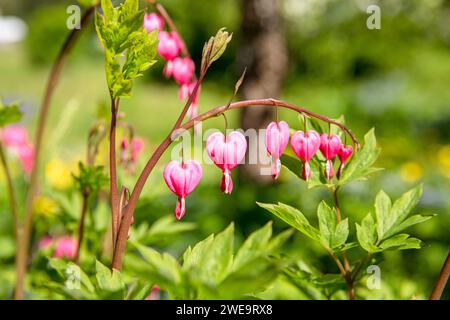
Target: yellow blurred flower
<point>443,159</point>
<point>45,206</point>
<point>411,171</point>
<point>58,174</point>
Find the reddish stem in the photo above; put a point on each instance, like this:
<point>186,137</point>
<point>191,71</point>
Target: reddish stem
<point>442,280</point>
<point>114,195</point>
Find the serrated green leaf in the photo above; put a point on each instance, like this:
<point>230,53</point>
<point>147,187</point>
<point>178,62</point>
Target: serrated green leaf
<point>400,242</point>
<point>253,245</point>
<point>341,234</point>
<point>366,234</point>
<point>293,217</point>
<point>327,223</point>
<point>108,280</point>
<point>401,209</point>
<point>410,222</point>
<point>360,166</point>
<point>382,212</point>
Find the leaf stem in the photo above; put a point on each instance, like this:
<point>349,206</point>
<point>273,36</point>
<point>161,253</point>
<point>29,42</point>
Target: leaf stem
<point>114,195</point>
<point>442,280</point>
<point>52,81</point>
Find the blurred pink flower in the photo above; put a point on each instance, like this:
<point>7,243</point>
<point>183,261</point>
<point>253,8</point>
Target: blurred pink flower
<point>65,247</point>
<point>169,45</point>
<point>26,157</point>
<point>14,135</point>
<point>153,21</point>
<point>183,70</point>
<point>137,145</point>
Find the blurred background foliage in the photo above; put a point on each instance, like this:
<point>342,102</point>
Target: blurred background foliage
<point>395,79</point>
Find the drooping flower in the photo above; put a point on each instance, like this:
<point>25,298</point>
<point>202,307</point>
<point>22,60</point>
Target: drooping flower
<point>226,152</point>
<point>14,135</point>
<point>344,153</point>
<point>277,138</point>
<point>136,147</point>
<point>185,92</point>
<point>305,146</point>
<point>155,293</point>
<point>329,146</point>
<point>153,21</point>
<point>66,247</point>
<point>26,157</point>
<point>168,45</point>
<point>183,70</point>
<point>123,154</point>
<point>182,178</point>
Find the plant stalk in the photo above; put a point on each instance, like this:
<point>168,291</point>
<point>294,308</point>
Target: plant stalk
<point>114,195</point>
<point>11,192</point>
<point>442,280</point>
<point>52,81</point>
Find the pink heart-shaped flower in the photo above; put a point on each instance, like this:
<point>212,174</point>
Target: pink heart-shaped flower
<point>344,153</point>
<point>182,178</point>
<point>168,45</point>
<point>277,138</point>
<point>305,145</point>
<point>227,153</point>
<point>153,21</point>
<point>330,145</point>
<point>183,70</point>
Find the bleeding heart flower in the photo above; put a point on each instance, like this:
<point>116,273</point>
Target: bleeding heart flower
<point>65,247</point>
<point>168,45</point>
<point>305,146</point>
<point>183,70</point>
<point>277,138</point>
<point>330,146</point>
<point>182,178</point>
<point>153,21</point>
<point>226,152</point>
<point>344,153</point>
<point>14,135</point>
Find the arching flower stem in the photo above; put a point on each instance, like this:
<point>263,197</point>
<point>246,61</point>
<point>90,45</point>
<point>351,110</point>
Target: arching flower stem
<point>129,210</point>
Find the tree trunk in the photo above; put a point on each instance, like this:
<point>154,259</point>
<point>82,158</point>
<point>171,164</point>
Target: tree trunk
<point>263,51</point>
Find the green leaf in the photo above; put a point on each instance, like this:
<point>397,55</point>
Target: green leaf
<point>410,222</point>
<point>255,244</point>
<point>108,280</point>
<point>360,166</point>
<point>162,269</point>
<point>401,209</point>
<point>382,212</point>
<point>9,114</point>
<point>327,223</point>
<point>401,242</point>
<point>129,48</point>
<point>212,258</point>
<point>294,165</point>
<point>366,234</point>
<point>293,217</point>
<point>333,235</point>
